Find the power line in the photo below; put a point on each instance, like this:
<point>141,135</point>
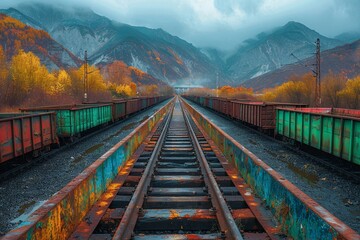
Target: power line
<point>316,73</point>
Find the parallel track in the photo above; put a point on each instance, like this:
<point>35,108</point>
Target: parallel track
<point>177,188</point>
<point>334,164</point>
<point>14,167</point>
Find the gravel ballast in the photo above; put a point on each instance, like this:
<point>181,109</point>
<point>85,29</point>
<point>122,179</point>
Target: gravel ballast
<point>23,193</point>
<point>337,193</point>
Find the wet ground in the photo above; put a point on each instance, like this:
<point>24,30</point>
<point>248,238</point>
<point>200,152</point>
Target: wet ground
<point>338,194</point>
<point>24,193</point>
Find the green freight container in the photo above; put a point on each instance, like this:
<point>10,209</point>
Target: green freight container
<point>202,101</point>
<point>332,130</point>
<point>73,120</point>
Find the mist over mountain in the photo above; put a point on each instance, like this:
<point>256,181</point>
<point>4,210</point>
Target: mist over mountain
<point>348,37</point>
<point>154,51</point>
<point>167,57</point>
<point>340,60</point>
<point>270,51</point>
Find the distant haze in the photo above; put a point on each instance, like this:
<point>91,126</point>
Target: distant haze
<point>223,24</point>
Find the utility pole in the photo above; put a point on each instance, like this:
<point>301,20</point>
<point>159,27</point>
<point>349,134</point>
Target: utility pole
<point>85,78</point>
<point>317,75</point>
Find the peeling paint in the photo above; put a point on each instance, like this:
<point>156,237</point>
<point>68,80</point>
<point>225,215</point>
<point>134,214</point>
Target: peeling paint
<point>58,217</point>
<point>300,216</point>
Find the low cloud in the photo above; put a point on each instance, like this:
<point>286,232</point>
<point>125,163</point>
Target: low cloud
<point>224,24</point>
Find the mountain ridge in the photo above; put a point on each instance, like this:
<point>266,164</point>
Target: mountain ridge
<point>15,35</point>
<point>269,51</point>
<point>343,59</point>
<point>168,57</point>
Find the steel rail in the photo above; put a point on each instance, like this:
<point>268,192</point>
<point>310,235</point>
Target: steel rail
<point>226,221</point>
<point>21,166</point>
<point>332,163</point>
<point>128,221</point>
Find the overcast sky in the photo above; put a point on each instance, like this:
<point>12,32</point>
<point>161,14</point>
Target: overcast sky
<point>225,23</point>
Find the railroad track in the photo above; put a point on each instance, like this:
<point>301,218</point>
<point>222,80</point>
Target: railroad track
<point>338,166</point>
<point>177,187</point>
<point>14,167</point>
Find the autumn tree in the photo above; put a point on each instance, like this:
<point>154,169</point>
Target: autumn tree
<point>27,75</point>
<point>350,95</point>
<point>96,86</point>
<point>117,72</point>
<point>149,90</point>
<point>299,89</point>
<point>331,85</point>
<point>4,73</point>
<point>61,83</point>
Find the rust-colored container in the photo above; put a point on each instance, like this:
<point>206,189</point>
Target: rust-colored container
<point>118,109</point>
<point>259,114</point>
<point>133,105</point>
<point>22,134</point>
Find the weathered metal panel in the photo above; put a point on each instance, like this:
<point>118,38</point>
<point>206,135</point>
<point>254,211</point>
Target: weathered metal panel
<point>23,133</point>
<point>75,119</point>
<point>299,215</point>
<point>59,216</point>
<point>132,106</point>
<point>119,110</point>
<point>320,128</point>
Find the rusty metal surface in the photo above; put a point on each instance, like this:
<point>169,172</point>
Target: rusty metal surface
<point>87,226</point>
<point>226,221</point>
<point>128,221</point>
<point>299,215</point>
<point>180,237</point>
<point>24,133</point>
<point>59,216</point>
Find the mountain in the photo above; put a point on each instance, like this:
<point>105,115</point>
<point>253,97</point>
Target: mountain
<point>348,37</point>
<point>270,51</point>
<point>15,35</point>
<point>343,59</point>
<point>154,51</point>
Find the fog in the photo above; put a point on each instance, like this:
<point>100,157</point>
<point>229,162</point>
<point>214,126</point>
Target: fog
<point>224,24</point>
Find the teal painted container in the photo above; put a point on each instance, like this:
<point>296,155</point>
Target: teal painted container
<point>73,120</point>
<point>202,101</point>
<point>332,130</point>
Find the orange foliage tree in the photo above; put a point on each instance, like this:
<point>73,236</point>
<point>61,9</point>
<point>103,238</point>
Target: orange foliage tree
<point>331,85</point>
<point>4,74</point>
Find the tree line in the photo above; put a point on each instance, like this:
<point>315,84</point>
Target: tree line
<point>25,81</point>
<point>336,91</point>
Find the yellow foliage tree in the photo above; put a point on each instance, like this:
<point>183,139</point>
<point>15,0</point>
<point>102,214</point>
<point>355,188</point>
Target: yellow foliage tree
<point>27,75</point>
<point>298,90</point>
<point>96,86</point>
<point>351,93</point>
<point>60,83</point>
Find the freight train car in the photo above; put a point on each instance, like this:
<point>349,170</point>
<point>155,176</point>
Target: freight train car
<point>118,108</point>
<point>74,120</point>
<point>332,130</point>
<point>259,114</point>
<point>39,128</point>
<point>133,105</point>
<point>22,134</point>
